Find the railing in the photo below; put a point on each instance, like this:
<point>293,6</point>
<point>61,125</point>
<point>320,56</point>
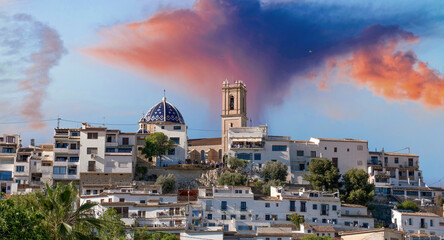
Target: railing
<point>239,146</point>
<point>402,177</point>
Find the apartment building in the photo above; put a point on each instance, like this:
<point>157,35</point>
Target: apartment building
<point>66,162</point>
<point>236,208</point>
<point>9,145</point>
<point>104,152</point>
<point>418,222</point>
<point>143,206</point>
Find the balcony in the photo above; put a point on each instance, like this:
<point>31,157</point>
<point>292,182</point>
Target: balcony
<point>247,145</point>
<point>168,215</point>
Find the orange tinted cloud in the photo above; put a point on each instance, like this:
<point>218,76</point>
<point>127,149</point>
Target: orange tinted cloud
<point>395,74</point>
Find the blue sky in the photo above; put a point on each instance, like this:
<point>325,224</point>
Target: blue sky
<point>85,89</point>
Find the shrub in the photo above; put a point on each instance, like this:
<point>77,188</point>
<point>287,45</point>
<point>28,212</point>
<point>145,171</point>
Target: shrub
<point>168,183</point>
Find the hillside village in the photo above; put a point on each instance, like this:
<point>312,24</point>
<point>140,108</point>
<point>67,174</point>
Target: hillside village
<point>111,168</point>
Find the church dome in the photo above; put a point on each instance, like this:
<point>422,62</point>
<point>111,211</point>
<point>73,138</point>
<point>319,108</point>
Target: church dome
<point>163,112</point>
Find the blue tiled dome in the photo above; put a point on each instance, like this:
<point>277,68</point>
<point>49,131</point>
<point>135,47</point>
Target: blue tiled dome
<point>163,112</point>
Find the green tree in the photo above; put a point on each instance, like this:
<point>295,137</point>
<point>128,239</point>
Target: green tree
<point>62,218</point>
<point>274,171</point>
<point>113,228</point>
<point>408,205</point>
<point>236,163</point>
<point>168,183</point>
<point>314,237</point>
<point>297,220</point>
<point>271,183</point>
<point>19,222</point>
<point>232,179</point>
<point>356,187</point>
<point>323,175</point>
<point>144,234</point>
<point>157,145</point>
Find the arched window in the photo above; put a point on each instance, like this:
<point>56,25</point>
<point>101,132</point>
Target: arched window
<point>202,155</point>
<point>231,103</point>
<point>220,153</point>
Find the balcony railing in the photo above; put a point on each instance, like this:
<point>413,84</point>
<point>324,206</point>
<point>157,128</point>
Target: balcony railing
<point>244,146</point>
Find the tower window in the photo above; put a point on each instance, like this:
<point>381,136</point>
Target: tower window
<point>231,103</point>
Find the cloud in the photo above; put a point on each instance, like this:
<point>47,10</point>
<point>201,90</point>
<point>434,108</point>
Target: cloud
<point>29,49</point>
<point>270,46</point>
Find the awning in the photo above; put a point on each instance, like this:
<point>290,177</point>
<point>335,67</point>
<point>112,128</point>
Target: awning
<point>247,139</point>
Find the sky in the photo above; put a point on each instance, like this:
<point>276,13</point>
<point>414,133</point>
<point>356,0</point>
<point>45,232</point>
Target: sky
<point>367,70</point>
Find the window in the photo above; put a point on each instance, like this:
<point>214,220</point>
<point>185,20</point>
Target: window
<point>8,150</point>
<point>243,206</point>
<point>142,201</point>
<point>73,146</point>
<point>121,199</point>
<point>10,139</point>
<point>176,140</point>
<point>314,220</point>
<point>386,160</point>
<point>74,159</point>
<point>125,141</point>
<point>313,154</point>
<point>172,152</point>
<point>202,155</point>
<point>233,216</point>
<point>124,150</point>
<point>238,191</point>
<point>334,221</point>
<point>245,156</point>
<point>335,149</point>
<point>91,151</point>
<point>210,216</point>
<point>257,156</point>
<point>231,103</point>
<point>59,170</point>
<point>324,220</point>
<point>220,153</point>
<point>223,206</point>
<point>277,204</point>
<point>324,209</point>
<point>396,160</point>
<point>162,127</point>
<point>267,217</point>
<point>348,149</point>
<point>243,217</point>
<point>75,134</point>
<point>410,221</point>
<point>110,150</point>
<point>279,148</point>
<point>315,206</point>
<point>95,192</point>
<point>431,223</point>
<point>360,148</point>
<point>177,127</point>
<point>72,170</point>
<point>224,217</point>
<point>20,169</point>
<point>93,135</point>
<point>61,159</point>
<point>292,206</point>
<point>303,209</point>
<point>300,153</point>
<point>333,207</point>
<point>267,205</point>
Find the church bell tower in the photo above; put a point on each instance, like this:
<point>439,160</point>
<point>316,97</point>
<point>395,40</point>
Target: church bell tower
<point>234,109</point>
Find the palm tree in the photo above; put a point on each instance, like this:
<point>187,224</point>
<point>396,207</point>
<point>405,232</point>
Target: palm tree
<point>63,218</point>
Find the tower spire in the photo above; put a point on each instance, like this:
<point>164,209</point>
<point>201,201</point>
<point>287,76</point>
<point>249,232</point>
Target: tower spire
<point>164,95</point>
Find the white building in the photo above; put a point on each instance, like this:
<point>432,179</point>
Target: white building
<point>146,206</point>
<point>9,145</point>
<point>66,161</point>
<point>106,151</point>
<point>236,208</point>
<point>165,118</point>
<point>418,222</point>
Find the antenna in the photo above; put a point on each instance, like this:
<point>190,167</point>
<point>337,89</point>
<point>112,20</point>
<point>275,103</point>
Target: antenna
<point>104,118</point>
<point>58,122</point>
<point>164,93</point>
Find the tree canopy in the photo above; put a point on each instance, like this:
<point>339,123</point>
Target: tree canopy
<point>236,163</point>
<point>357,189</point>
<point>232,179</point>
<point>323,175</point>
<point>297,219</point>
<point>168,183</point>
<point>156,145</point>
<point>408,205</point>
<point>314,237</point>
<point>113,228</point>
<point>274,171</point>
<point>271,183</point>
<point>144,234</point>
